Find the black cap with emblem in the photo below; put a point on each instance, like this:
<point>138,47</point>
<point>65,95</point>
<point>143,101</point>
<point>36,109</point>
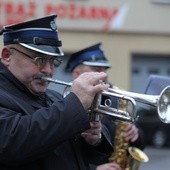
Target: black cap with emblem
<point>91,56</point>
<point>40,35</point>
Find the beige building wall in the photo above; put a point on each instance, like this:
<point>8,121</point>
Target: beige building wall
<point>118,47</point>
<point>139,26</point>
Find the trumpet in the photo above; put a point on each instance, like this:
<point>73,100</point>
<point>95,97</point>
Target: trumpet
<point>103,102</point>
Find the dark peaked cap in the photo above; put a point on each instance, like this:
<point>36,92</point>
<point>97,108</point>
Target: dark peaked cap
<point>91,56</point>
<point>40,35</point>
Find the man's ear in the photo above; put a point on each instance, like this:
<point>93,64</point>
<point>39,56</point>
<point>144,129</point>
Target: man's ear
<point>75,73</point>
<point>5,56</point>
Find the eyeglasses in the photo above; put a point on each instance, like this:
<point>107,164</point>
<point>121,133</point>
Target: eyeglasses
<point>41,61</point>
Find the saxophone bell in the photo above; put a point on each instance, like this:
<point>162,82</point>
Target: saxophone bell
<point>136,157</point>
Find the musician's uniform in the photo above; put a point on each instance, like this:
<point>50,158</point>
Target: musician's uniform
<point>24,121</point>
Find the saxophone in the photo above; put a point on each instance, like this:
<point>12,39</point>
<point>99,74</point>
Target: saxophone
<point>127,157</point>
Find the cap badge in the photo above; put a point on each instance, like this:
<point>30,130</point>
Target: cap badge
<point>53,25</point>
<point>93,58</point>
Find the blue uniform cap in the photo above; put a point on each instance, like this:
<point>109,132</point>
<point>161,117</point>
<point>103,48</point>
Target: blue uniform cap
<point>40,35</point>
<point>91,56</point>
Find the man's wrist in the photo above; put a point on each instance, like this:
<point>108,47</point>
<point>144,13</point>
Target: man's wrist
<point>99,140</point>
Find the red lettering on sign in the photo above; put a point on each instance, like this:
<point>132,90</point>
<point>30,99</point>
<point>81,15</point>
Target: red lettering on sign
<point>14,12</point>
<point>71,14</point>
<point>61,10</point>
<point>73,11</point>
<point>8,8</point>
<point>18,12</point>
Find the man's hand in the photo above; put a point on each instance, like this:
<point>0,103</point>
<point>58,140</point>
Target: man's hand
<point>93,135</point>
<point>108,166</point>
<point>87,85</point>
<point>131,132</point>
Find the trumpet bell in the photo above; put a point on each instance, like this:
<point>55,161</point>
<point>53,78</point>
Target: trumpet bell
<point>164,105</point>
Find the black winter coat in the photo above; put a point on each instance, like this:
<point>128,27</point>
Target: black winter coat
<point>43,132</point>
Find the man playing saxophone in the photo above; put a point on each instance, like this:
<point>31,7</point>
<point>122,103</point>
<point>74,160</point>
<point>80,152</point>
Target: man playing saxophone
<point>92,59</point>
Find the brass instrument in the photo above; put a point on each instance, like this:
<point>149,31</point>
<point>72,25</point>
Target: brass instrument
<point>161,102</point>
<point>119,155</point>
<point>129,158</point>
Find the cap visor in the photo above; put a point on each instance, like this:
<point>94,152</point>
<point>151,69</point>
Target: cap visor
<point>100,63</point>
<point>44,49</point>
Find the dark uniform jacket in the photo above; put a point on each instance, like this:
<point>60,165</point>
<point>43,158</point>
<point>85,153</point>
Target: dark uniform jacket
<point>43,132</point>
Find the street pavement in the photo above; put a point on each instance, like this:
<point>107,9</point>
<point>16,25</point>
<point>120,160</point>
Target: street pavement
<point>159,159</point>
